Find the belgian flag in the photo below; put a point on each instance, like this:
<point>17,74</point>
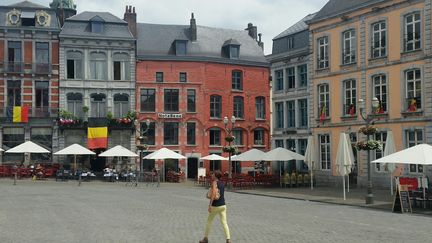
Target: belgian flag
<point>20,114</point>
<point>97,133</point>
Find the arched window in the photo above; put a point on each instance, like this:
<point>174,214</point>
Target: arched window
<point>74,63</point>
<point>238,109</point>
<point>98,66</point>
<point>121,66</point>
<point>259,136</point>
<point>75,103</point>
<point>98,105</point>
<point>215,106</point>
<point>121,105</point>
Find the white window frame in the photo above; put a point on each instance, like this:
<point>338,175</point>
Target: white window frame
<point>322,52</point>
<point>413,23</point>
<point>348,47</point>
<point>378,44</point>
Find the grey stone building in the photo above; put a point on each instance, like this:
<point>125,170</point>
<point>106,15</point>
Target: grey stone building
<point>97,80</point>
<point>29,71</point>
<point>291,90</point>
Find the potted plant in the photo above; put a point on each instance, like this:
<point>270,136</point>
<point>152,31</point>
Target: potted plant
<point>230,138</point>
<point>85,110</point>
<point>368,130</point>
<point>369,145</point>
<point>229,149</point>
<point>67,119</point>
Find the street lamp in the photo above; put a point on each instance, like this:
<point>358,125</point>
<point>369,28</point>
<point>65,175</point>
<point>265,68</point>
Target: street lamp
<point>229,140</point>
<point>368,120</point>
<point>141,146</point>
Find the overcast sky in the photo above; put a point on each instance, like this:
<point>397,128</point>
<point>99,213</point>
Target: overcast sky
<point>270,16</point>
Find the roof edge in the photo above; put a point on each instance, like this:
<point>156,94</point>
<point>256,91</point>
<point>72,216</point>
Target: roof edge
<point>201,59</point>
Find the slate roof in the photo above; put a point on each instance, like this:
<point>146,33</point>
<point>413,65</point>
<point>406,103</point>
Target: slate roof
<point>338,7</point>
<point>297,27</point>
<point>78,26</point>
<point>29,6</point>
<point>155,42</point>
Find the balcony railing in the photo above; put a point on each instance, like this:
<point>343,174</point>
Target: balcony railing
<point>42,68</point>
<point>37,112</point>
<point>14,67</point>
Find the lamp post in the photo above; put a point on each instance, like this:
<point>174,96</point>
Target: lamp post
<point>141,146</point>
<point>368,118</point>
<point>229,140</point>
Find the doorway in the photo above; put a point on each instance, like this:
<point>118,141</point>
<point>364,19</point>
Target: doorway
<point>192,168</point>
<point>146,164</point>
<point>170,165</point>
<point>98,163</point>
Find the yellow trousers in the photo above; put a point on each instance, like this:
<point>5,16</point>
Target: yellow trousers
<point>221,210</point>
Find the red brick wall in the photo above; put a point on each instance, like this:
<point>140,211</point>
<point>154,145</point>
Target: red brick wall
<point>207,79</point>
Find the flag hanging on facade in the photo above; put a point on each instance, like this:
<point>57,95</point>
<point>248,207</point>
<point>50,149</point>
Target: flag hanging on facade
<point>97,133</point>
<point>20,114</point>
<point>323,114</point>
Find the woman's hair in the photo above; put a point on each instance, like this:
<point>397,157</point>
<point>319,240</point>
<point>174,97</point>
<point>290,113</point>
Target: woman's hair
<point>218,174</point>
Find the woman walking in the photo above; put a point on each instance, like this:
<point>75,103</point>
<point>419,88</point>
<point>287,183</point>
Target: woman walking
<point>217,207</point>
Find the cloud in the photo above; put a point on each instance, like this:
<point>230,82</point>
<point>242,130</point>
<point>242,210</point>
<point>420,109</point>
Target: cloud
<point>270,16</point>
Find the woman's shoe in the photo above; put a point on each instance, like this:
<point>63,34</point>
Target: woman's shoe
<point>228,241</point>
<point>204,240</point>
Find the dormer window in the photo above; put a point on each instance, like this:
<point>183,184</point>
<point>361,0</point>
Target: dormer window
<point>97,27</point>
<point>231,49</point>
<point>180,47</point>
<point>28,18</point>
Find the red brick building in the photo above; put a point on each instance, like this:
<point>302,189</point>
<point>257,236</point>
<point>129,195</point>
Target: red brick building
<point>189,78</point>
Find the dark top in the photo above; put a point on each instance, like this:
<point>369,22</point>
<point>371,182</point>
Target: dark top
<point>221,200</point>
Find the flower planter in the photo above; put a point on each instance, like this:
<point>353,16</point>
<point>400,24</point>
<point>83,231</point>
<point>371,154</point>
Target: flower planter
<point>368,130</point>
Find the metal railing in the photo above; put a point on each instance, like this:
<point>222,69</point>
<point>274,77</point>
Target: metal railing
<point>14,67</point>
<point>42,68</point>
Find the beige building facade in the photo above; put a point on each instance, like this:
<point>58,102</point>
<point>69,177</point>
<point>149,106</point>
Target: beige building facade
<point>364,50</point>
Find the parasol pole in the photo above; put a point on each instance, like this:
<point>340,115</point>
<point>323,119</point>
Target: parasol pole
<point>79,174</point>
<point>391,183</point>
<point>311,177</point>
<point>343,185</point>
<point>348,180</point>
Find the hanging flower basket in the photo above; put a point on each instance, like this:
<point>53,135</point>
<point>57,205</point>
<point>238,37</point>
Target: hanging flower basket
<point>369,145</point>
<point>229,138</point>
<point>368,130</point>
<point>229,149</point>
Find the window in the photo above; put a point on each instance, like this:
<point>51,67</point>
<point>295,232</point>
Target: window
<point>322,58</point>
<point>74,64</point>
<point>148,100</point>
<point>238,134</point>
<point>302,75</point>
<point>415,137</point>
<point>260,107</point>
<point>290,42</point>
<point>259,136</point>
<point>234,51</point>
<point>291,78</point>
<point>28,18</point>
<point>191,100</point>
<point>382,138</point>
<point>237,80</point>
<point>279,80</point>
<point>291,145</point>
<point>302,144</point>
<point>379,42</point>
<point>43,137</point>
<point>98,66</point>
<point>150,135</point>
<point>180,47</point>
<point>13,93</point>
<point>324,150</point>
<point>350,97</point>
<point>413,89</point>
<point>238,110</point>
<point>98,105</point>
<point>120,137</point>
<point>190,133</point>
<point>121,105</point>
<point>75,103</point>
<point>121,66</point>
<point>279,143</point>
<point>380,92</point>
<point>97,27</point>
<point>215,137</point>
<point>159,77</point>
<point>42,57</point>
<point>215,106</point>
<point>348,52</point>
<point>171,133</point>
<point>42,97</point>
<point>279,108</point>
<point>303,112</point>
<point>291,114</point>
<point>183,77</point>
<point>324,100</point>
<point>15,56</point>
<point>12,136</point>
<point>412,32</point>
<point>171,100</point>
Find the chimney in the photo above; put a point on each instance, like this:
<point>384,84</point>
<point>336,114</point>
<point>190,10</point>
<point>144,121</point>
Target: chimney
<point>260,43</point>
<point>193,28</point>
<point>131,18</point>
<point>252,31</point>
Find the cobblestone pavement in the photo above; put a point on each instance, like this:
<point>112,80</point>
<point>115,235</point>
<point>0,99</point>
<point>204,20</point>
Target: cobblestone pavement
<point>49,211</point>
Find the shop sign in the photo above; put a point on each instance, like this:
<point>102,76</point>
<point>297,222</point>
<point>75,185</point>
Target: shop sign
<point>170,115</point>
